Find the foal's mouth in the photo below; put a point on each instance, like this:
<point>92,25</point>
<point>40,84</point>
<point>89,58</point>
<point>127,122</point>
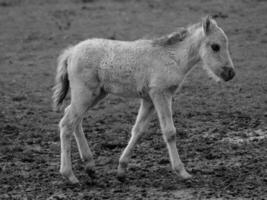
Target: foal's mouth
<point>227,74</point>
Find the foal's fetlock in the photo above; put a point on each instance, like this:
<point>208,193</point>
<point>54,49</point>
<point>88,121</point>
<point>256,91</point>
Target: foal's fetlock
<point>181,172</point>
<point>122,169</point>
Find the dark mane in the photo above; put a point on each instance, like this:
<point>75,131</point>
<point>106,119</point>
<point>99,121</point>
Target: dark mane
<point>171,39</point>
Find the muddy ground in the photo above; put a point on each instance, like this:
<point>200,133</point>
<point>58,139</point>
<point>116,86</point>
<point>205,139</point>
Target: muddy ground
<point>221,128</point>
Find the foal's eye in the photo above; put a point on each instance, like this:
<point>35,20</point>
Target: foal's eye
<point>215,47</point>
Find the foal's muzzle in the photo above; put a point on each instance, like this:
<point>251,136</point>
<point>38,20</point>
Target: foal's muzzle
<point>228,73</point>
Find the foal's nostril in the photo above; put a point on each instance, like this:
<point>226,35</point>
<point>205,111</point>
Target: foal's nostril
<point>228,73</point>
<point>232,73</point>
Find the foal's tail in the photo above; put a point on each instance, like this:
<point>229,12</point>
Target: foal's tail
<point>61,87</point>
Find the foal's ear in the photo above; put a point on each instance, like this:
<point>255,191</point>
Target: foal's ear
<point>208,23</point>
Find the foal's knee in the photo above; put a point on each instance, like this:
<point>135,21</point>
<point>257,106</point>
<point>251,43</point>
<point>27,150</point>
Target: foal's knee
<point>169,134</point>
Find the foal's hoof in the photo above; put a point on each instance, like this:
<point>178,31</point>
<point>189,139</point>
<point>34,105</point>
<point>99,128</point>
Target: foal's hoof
<point>72,179</point>
<point>69,176</point>
<point>184,174</point>
<point>90,171</point>
<point>121,173</point>
<point>121,177</point>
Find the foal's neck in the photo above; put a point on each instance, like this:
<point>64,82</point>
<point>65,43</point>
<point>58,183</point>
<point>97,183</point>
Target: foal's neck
<point>188,54</point>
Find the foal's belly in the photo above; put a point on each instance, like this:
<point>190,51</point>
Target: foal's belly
<point>126,87</point>
<point>125,82</point>
<point>121,90</point>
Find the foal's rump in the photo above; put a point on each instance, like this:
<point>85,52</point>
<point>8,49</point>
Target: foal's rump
<point>76,64</point>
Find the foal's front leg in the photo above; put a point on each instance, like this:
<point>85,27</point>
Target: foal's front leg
<point>162,102</point>
<point>144,115</point>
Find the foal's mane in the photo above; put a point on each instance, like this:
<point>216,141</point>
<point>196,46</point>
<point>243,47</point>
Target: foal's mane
<point>175,37</point>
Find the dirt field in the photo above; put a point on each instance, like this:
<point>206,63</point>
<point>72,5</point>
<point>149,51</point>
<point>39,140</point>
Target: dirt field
<point>222,128</point>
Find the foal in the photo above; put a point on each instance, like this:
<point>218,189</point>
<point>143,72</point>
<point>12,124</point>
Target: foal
<point>151,70</point>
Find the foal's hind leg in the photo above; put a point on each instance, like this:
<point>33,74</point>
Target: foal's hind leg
<point>82,99</point>
<point>83,147</point>
<point>144,115</point>
<point>66,129</point>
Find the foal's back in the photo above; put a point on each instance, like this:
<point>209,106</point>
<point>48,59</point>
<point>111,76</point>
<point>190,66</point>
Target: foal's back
<point>120,67</point>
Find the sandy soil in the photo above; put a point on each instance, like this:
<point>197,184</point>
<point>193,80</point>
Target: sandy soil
<point>221,128</point>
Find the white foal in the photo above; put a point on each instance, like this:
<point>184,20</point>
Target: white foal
<point>151,70</point>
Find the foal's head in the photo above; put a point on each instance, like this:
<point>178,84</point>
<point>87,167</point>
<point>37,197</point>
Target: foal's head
<point>214,51</point>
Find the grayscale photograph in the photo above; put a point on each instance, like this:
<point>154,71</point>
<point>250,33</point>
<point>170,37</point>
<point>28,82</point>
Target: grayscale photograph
<point>133,99</point>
